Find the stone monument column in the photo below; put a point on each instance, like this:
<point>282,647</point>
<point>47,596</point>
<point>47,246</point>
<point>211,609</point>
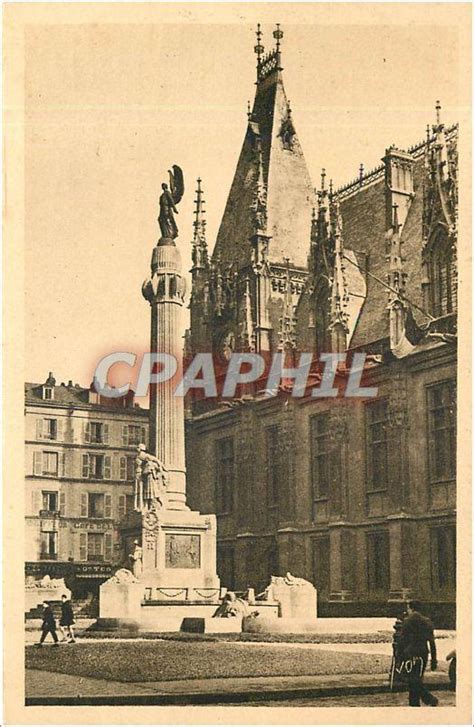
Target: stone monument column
<point>165,291</point>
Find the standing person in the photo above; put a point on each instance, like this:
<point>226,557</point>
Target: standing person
<point>67,619</point>
<point>416,633</point>
<point>49,625</point>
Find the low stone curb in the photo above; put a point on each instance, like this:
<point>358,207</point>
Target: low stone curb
<point>166,696</point>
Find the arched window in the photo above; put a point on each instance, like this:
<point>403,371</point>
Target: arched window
<point>441,279</point>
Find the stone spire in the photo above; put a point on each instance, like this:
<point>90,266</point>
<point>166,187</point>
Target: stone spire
<point>247,326</point>
<point>199,254</point>
<point>339,291</point>
<point>287,341</point>
<point>271,158</point>
<point>396,279</point>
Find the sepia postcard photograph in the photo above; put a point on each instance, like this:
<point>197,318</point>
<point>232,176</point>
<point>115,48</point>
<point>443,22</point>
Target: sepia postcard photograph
<point>237,266</point>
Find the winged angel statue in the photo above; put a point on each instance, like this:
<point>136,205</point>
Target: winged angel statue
<point>168,200</point>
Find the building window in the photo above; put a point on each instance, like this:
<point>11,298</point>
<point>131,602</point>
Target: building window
<point>50,464</point>
<point>442,431</point>
<point>273,465</point>
<point>443,558</point>
<point>127,468</point>
<point>441,278</point>
<point>96,467</point>
<point>224,475</point>
<point>97,433</point>
<point>226,565</point>
<point>49,546</point>
<point>272,561</point>
<point>126,504</point>
<point>50,501</point>
<point>378,562</point>
<point>47,429</point>
<point>321,565</point>
<point>133,435</point>
<point>96,505</point>
<point>320,456</point>
<point>95,546</point>
<point>377,452</point>
<point>48,393</point>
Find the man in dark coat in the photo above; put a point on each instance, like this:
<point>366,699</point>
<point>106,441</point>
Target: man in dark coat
<point>49,625</point>
<point>67,619</point>
<point>412,651</point>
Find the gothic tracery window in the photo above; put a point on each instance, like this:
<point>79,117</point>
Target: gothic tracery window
<point>441,277</point>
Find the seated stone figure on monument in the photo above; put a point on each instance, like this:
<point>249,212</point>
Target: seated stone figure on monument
<point>169,198</point>
<point>231,607</point>
<point>151,481</point>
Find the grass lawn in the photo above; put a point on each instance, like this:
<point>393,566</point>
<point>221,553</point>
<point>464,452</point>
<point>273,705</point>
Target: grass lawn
<point>147,661</point>
<point>378,637</point>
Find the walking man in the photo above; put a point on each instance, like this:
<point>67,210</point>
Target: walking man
<point>49,625</point>
<point>67,620</point>
<point>415,634</point>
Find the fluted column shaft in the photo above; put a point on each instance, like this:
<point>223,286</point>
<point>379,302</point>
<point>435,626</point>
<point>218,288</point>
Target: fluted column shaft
<point>165,291</point>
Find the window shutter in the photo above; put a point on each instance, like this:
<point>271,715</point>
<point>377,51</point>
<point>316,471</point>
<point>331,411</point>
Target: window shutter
<point>106,433</point>
<point>62,464</point>
<point>84,499</point>
<point>125,435</point>
<point>108,546</point>
<point>62,504</point>
<point>59,429</point>
<point>39,429</point>
<point>36,501</point>
<point>143,435</point>
<point>107,468</point>
<point>82,546</point>
<point>85,465</point>
<point>123,468</point>
<point>122,504</point>
<point>107,505</point>
<point>87,432</point>
<point>37,463</point>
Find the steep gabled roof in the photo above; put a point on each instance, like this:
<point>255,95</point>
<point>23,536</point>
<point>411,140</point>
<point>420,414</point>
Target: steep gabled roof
<point>270,139</point>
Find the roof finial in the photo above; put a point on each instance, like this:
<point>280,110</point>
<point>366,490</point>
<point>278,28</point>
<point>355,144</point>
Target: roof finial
<point>331,193</point>
<point>428,133</point>
<point>278,35</point>
<point>323,177</point>
<point>438,113</point>
<point>249,110</point>
<point>361,173</point>
<point>199,223</point>
<point>289,108</point>
<point>259,47</point>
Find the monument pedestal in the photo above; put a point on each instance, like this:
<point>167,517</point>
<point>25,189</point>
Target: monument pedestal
<point>178,578</point>
<point>179,552</point>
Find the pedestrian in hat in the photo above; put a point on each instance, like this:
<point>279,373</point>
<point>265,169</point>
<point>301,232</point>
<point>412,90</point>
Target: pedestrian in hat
<point>67,620</point>
<point>416,634</point>
<point>49,625</point>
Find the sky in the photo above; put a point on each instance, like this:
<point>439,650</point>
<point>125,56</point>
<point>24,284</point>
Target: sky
<point>109,107</point>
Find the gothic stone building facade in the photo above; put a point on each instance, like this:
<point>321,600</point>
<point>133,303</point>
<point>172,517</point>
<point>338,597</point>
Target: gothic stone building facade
<point>357,496</point>
<point>80,454</point>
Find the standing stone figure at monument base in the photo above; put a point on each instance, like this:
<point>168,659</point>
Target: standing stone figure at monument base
<point>137,559</point>
<point>151,481</point>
